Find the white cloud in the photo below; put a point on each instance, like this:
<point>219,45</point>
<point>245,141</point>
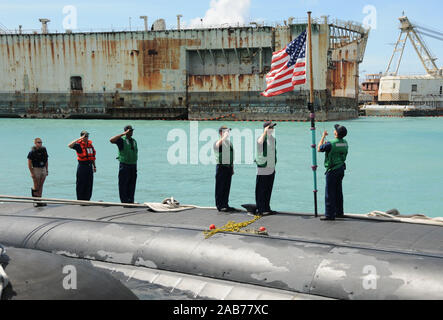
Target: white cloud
<point>230,12</point>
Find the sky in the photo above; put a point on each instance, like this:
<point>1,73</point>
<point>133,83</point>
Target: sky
<point>110,14</point>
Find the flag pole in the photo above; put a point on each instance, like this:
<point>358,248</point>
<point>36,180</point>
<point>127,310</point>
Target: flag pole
<point>312,113</point>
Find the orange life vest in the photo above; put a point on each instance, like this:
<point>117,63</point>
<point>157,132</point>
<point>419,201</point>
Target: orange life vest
<point>88,151</point>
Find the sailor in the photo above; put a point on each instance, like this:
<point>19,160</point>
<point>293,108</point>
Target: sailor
<point>266,161</point>
<point>86,165</point>
<point>224,156</point>
<point>128,156</point>
<point>38,167</point>
<point>336,153</point>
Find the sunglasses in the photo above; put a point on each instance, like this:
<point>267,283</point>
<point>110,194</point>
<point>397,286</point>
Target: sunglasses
<point>39,142</point>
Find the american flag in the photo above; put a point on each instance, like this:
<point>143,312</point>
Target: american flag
<point>288,68</point>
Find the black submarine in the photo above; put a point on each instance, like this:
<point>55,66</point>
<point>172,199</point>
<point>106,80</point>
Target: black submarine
<point>297,257</point>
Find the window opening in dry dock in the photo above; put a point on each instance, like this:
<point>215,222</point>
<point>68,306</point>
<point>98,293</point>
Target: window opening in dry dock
<point>76,83</point>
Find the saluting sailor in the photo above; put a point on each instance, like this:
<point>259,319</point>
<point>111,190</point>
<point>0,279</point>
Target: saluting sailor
<point>224,155</point>
<point>128,156</point>
<point>86,166</point>
<point>335,163</point>
<point>266,161</point>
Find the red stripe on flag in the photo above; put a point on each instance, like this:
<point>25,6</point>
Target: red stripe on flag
<point>279,84</point>
<point>279,76</point>
<point>276,93</point>
<point>299,82</point>
<point>300,73</point>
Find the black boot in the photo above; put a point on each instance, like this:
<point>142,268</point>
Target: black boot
<point>33,192</point>
<point>37,203</point>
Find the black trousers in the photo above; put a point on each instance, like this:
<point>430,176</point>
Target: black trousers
<point>263,192</point>
<point>223,179</point>
<point>334,193</point>
<point>127,179</point>
<point>85,181</point>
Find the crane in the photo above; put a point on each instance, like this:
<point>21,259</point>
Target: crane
<point>413,32</point>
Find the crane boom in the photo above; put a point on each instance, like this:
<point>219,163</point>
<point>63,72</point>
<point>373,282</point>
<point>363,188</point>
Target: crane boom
<point>408,31</point>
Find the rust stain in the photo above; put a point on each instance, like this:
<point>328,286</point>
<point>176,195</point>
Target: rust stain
<point>221,83</point>
<point>341,77</point>
<point>344,75</point>
<point>113,47</point>
<point>198,82</point>
<point>52,50</point>
<point>156,55</point>
<point>13,51</point>
<point>64,48</point>
<point>75,48</point>
<point>246,40</point>
<point>127,85</point>
<point>228,81</point>
<point>7,47</point>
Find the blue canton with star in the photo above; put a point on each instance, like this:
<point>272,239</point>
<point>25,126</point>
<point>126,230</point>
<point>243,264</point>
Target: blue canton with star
<point>296,49</point>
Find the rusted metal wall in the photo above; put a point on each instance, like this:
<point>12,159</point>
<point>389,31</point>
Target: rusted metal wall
<point>140,61</point>
<point>161,69</point>
<point>343,75</point>
<point>105,62</point>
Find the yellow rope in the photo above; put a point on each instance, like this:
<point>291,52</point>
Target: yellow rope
<point>231,226</point>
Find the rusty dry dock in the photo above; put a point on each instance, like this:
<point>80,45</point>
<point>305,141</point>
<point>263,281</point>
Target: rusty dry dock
<point>175,74</point>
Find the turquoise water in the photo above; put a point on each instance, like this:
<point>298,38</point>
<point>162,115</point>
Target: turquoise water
<point>393,163</point>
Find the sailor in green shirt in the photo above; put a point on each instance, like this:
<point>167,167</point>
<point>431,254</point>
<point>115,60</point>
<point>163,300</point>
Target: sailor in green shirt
<point>224,156</point>
<point>336,153</point>
<point>266,161</point>
<point>128,156</point>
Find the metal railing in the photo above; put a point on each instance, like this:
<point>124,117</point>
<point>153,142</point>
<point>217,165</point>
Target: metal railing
<point>170,27</point>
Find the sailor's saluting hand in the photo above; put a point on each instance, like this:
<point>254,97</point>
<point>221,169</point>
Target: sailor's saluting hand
<point>127,133</point>
<point>83,138</point>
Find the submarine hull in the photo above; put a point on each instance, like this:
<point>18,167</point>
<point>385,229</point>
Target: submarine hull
<point>353,259</point>
<point>37,275</point>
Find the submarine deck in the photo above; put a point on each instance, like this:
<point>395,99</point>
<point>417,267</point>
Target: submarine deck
<point>352,258</point>
<point>376,234</point>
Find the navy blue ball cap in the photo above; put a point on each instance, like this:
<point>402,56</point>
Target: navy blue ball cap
<point>269,124</point>
<point>341,131</point>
